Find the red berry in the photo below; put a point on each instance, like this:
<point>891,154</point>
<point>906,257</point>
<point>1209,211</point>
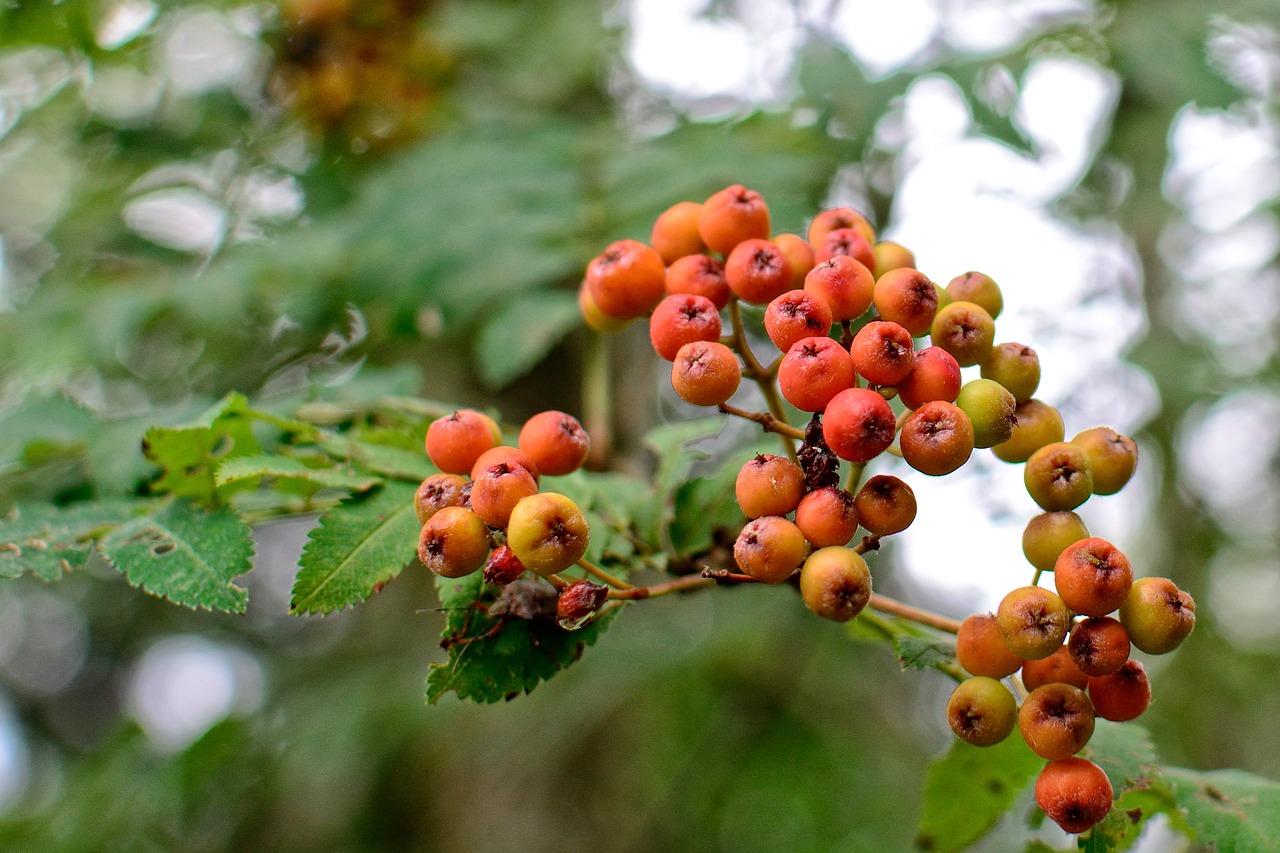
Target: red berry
<point>907,297</point>
<point>795,315</point>
<point>555,442</point>
<point>757,271</point>
<point>706,373</point>
<point>682,319</point>
<point>1075,793</point>
<point>883,352</point>
<point>858,424</point>
<point>675,231</point>
<point>626,279</point>
<point>455,442</point>
<point>935,376</point>
<point>814,371</point>
<point>844,284</point>
<point>701,275</point>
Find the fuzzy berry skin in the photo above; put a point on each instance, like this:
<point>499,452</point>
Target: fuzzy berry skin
<point>978,288</point>
<point>1093,577</point>
<point>1016,367</point>
<point>1121,695</point>
<point>1057,476</point>
<point>1075,793</point>
<point>512,456</point>
<point>682,319</point>
<point>935,376</point>
<point>1158,615</point>
<point>844,284</point>
<point>706,373</point>
<point>700,275</point>
<point>555,442</point>
<point>965,330</point>
<point>835,218</point>
<point>813,372</point>
<point>437,492</point>
<point>835,583</point>
<point>627,279</point>
<point>981,711</point>
<point>757,271</point>
<point>980,648</point>
<point>937,438</point>
<point>1056,720</point>
<point>991,408</point>
<point>675,231</point>
<point>858,424</point>
<point>548,533</point>
<point>1035,425</point>
<point>794,316</point>
<point>768,485</point>
<point>907,297</point>
<point>593,317</point>
<point>799,253</point>
<point>845,241</point>
<point>497,489</point>
<point>827,516</point>
<point>883,352</point>
<point>770,549</point>
<point>1033,622</point>
<point>1112,458</point>
<point>732,215</point>
<point>886,505</point>
<point>455,442</point>
<point>454,542</point>
<point>1057,667</point>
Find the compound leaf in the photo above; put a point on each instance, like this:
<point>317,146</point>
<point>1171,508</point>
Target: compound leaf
<point>184,553</point>
<point>359,544</point>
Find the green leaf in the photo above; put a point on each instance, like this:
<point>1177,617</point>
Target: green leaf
<point>184,553</point>
<point>190,453</point>
<point>969,788</point>
<point>915,646</point>
<point>358,545</point>
<point>1229,809</point>
<point>522,332</point>
<point>672,445</point>
<point>46,541</point>
<point>613,504</point>
<point>1127,755</point>
<point>292,468</point>
<point>508,656</point>
<point>923,652</point>
<point>388,461</point>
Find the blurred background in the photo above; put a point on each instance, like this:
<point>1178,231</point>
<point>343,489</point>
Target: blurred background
<point>344,199</point>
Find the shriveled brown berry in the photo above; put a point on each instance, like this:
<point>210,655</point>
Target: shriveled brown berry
<point>578,602</point>
<point>503,566</point>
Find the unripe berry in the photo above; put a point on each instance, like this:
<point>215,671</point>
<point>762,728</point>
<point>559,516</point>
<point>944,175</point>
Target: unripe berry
<point>907,297</point>
<point>1121,695</point>
<point>991,408</point>
<point>455,442</point>
<point>981,711</point>
<point>682,319</point>
<point>1092,577</point>
<point>844,284</point>
<point>757,271</point>
<point>627,279</point>
<point>836,218</point>
<point>496,491</point>
<point>699,275</point>
<point>593,316</point>
<point>979,289</point>
<point>1014,366</point>
<point>503,566</point>
<point>892,256</point>
<point>883,352</point>
<point>936,438</point>
<point>858,425</point>
<point>1056,720</point>
<point>732,215</point>
<point>827,516</point>
<point>1075,793</point>
<point>845,241</point>
<point>965,330</point>
<point>770,549</point>
<point>1099,645</point>
<point>453,542</point>
<point>675,231</point>
<point>981,650</point>
<point>578,602</point>
<point>548,533</point>
<point>1036,424</point>
<point>1158,615</point>
<point>835,583</point>
<point>794,316</point>
<point>769,485</point>
<point>706,373</point>
<point>437,492</point>
<point>1056,668</point>
<point>1033,622</point>
<point>813,372</point>
<point>799,253</point>
<point>555,442</point>
<point>1057,476</point>
<point>935,376</point>
<point>1112,458</point>
<point>885,505</point>
<point>1047,535</point>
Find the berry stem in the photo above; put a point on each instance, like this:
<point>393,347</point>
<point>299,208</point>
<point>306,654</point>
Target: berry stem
<point>1035,579</point>
<point>597,391</point>
<point>914,614</point>
<point>868,543</point>
<point>856,470</point>
<point>846,333</point>
<point>604,576</point>
<point>764,377</point>
<point>770,422</point>
<point>681,584</point>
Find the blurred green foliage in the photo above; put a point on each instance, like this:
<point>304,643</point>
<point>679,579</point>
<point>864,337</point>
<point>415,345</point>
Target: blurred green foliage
<point>440,258</point>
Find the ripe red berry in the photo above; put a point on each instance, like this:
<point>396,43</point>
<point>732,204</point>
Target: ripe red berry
<point>835,583</point>
<point>844,284</point>
<point>906,296</point>
<point>555,442</point>
<point>936,438</point>
<point>675,231</point>
<point>1075,793</point>
<point>1121,695</point>
<point>827,516</point>
<point>626,279</point>
<point>799,253</point>
<point>981,650</point>
<point>732,215</point>
<point>883,352</point>
<point>935,376</point>
<point>835,218</point>
<point>845,241</point>
<point>858,424</point>
<point>1057,667</point>
<point>794,316</point>
<point>814,371</point>
<point>1093,577</point>
<point>1099,645</point>
<point>885,505</point>
<point>758,271</point>
<point>682,319</point>
<point>706,373</point>
<point>769,485</point>
<point>455,442</point>
<point>700,275</point>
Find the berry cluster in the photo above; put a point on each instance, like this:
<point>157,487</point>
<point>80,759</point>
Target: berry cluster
<point>846,314</point>
<point>485,509</point>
